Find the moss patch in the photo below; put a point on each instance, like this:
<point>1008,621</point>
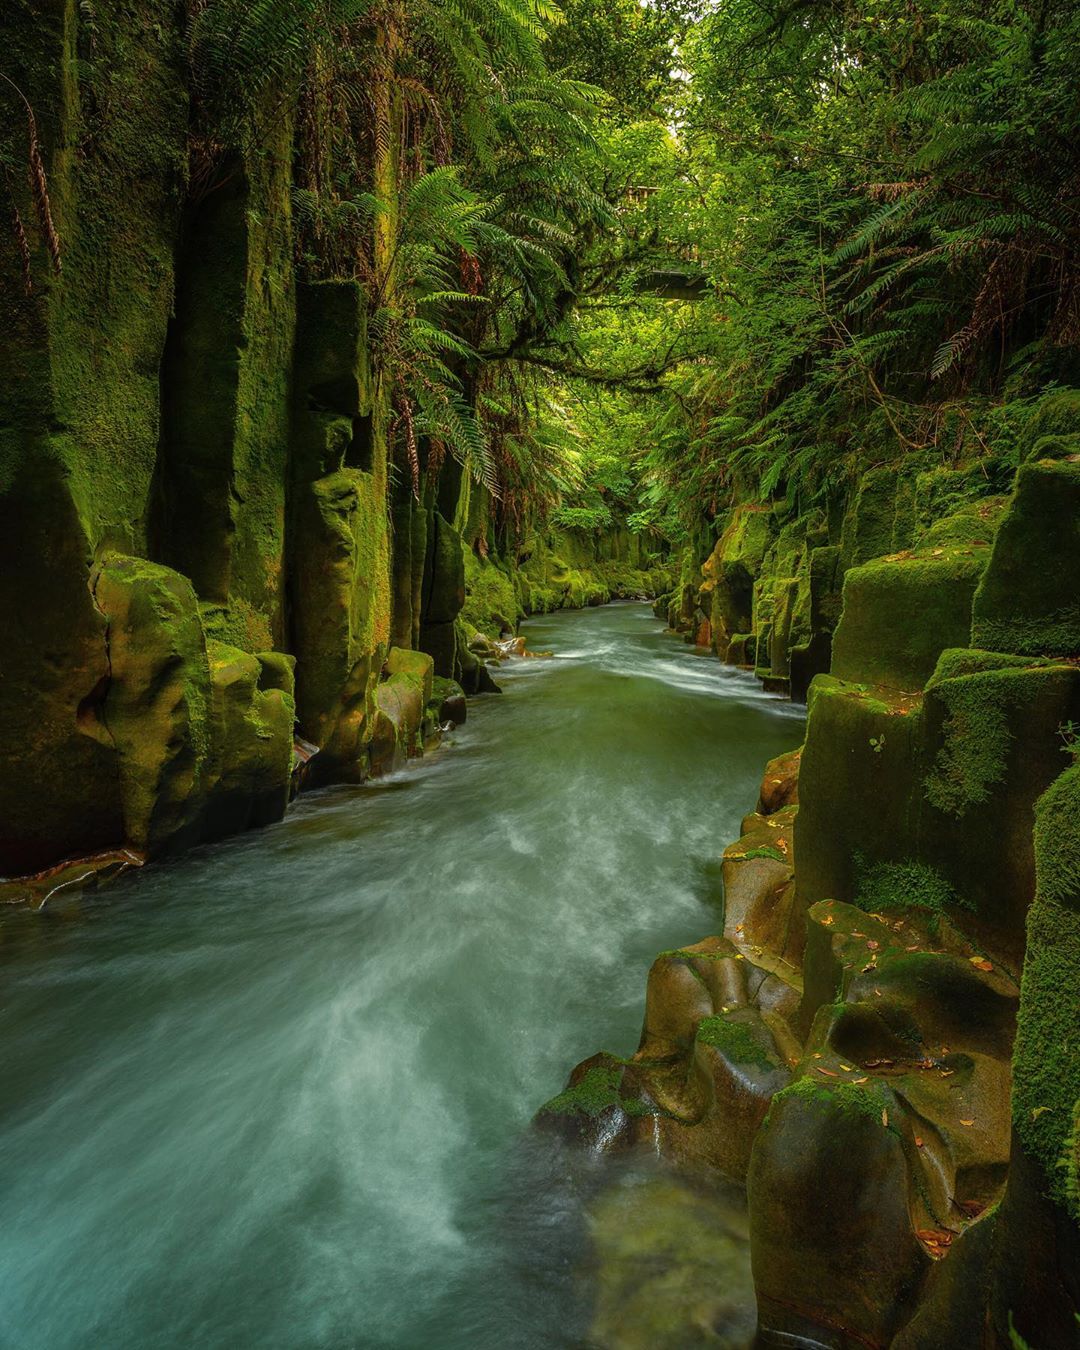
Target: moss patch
<point>1027,600</point>
<point>736,1041</point>
<point>885,886</point>
<point>1046,1063</point>
<point>983,700</point>
<point>598,1090</point>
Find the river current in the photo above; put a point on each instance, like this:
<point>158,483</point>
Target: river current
<point>276,1094</point>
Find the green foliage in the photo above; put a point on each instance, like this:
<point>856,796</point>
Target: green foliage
<point>882,887</point>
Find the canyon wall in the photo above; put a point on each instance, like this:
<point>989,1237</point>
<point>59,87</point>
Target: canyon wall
<point>881,1040</point>
<point>207,553</point>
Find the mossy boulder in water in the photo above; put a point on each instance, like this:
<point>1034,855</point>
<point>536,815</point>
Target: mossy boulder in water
<point>253,739</point>
<point>893,1138</point>
<point>159,710</point>
<point>341,615</point>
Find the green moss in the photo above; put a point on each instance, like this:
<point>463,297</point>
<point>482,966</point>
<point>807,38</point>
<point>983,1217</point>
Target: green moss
<point>1028,601</point>
<point>982,706</point>
<point>1056,414</point>
<point>597,1091</point>
<point>884,886</point>
<point>867,1101</point>
<point>765,851</point>
<point>491,602</point>
<point>1069,1163</point>
<point>737,1041</point>
<point>901,612</point>
<point>869,522</point>
<point>1046,1062</point>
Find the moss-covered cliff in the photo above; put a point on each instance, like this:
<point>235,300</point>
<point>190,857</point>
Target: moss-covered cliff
<point>881,1042</point>
<point>205,541</point>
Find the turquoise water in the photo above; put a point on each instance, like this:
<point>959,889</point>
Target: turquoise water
<point>274,1094</point>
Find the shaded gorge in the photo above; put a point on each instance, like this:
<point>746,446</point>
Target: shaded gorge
<point>274,1093</point>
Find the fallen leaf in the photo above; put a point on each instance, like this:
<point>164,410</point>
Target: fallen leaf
<point>967,1122</point>
<point>885,1119</point>
<point>782,845</point>
<point>1037,1112</point>
<point>817,1055</point>
<point>828,920</point>
<point>983,965</point>
<point>860,1080</point>
<point>873,945</point>
<point>846,1068</point>
<point>821,1069</point>
<point>947,1073</point>
<point>878,992</point>
<point>918,1141</point>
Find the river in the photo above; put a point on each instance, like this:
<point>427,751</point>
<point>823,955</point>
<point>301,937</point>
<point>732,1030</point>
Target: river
<point>273,1094</point>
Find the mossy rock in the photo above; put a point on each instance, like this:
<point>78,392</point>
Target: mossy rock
<point>1047,1060</point>
<point>1028,600</point>
<point>902,611</point>
<point>831,1236</point>
<point>859,786</point>
<point>60,791</point>
<point>341,613</point>
<point>731,570</point>
<point>1056,414</point>
<point>159,709</point>
<point>1057,447</point>
<point>398,720</point>
<point>869,522</point>
<point>415,666</point>
<point>976,523</point>
<point>991,747</point>
<point>253,740</point>
<point>491,602</point>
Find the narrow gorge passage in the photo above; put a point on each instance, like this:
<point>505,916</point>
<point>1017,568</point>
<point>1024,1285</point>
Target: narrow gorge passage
<point>273,1094</point>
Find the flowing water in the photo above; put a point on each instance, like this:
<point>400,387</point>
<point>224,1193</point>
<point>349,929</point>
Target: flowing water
<point>274,1094</point>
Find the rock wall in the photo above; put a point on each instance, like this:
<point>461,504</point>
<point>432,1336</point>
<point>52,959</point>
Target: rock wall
<point>206,550</point>
<point>882,1040</point>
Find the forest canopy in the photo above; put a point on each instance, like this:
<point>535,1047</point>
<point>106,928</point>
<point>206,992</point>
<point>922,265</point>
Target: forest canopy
<point>626,258</point>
